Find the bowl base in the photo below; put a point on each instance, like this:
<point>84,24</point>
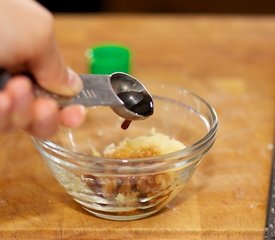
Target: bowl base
<point>120,217</point>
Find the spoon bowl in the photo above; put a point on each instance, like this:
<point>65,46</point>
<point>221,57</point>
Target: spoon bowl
<point>137,101</point>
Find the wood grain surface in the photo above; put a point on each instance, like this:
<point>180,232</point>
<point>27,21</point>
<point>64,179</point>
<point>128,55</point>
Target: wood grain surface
<point>229,61</point>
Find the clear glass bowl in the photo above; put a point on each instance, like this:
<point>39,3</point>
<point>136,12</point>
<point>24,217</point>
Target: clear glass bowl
<point>127,189</point>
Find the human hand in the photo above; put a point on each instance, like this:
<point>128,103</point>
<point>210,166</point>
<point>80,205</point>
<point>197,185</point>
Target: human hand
<point>27,43</point>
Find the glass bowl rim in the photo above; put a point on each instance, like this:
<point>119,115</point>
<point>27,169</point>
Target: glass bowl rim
<point>193,148</point>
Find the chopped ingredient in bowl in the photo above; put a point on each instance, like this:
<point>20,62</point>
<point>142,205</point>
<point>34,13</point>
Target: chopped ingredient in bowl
<point>137,193</point>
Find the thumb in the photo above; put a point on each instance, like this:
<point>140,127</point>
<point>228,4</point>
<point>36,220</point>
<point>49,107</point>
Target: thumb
<point>50,72</point>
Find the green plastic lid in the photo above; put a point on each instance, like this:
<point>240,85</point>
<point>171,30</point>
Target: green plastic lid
<point>109,58</point>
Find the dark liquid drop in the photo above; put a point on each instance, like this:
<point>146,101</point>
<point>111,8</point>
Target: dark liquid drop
<point>126,123</point>
<point>137,102</point>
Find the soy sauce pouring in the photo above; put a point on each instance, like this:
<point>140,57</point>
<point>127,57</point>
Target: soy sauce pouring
<point>123,93</point>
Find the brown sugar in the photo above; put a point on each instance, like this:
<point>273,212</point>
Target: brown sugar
<point>129,153</point>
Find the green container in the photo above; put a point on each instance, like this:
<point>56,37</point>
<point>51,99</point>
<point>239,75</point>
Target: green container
<point>109,58</point>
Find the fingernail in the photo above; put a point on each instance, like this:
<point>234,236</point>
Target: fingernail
<point>75,83</point>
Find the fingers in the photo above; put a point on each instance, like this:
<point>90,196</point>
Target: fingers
<point>39,116</point>
<point>45,116</point>
<point>32,47</point>
<point>72,116</point>
<point>19,90</point>
<point>51,73</point>
<point>18,109</point>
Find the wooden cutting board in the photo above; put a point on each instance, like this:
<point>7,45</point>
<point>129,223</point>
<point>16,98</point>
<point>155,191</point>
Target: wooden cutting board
<point>229,61</point>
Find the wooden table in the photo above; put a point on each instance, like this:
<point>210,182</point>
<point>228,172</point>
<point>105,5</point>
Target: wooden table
<point>229,61</point>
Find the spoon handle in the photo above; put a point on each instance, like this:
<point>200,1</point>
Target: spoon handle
<point>97,91</point>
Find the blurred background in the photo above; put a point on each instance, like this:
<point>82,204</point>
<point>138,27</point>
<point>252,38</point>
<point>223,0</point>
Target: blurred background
<point>163,6</point>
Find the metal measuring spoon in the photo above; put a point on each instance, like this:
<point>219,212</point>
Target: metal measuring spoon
<point>123,93</point>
